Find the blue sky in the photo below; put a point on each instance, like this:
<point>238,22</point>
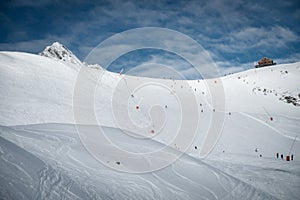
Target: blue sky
<point>235,33</point>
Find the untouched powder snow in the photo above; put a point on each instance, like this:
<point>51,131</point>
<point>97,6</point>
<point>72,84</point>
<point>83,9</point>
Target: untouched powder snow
<point>39,127</point>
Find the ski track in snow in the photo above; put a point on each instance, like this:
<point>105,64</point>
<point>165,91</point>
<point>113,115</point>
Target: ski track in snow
<point>52,184</point>
<point>275,172</point>
<point>268,125</point>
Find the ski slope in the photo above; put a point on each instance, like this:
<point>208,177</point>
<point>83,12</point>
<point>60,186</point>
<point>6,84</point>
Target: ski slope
<point>64,169</point>
<point>45,101</point>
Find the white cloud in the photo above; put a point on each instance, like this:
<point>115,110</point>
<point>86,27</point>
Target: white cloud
<point>230,67</point>
<point>253,37</point>
<point>156,38</point>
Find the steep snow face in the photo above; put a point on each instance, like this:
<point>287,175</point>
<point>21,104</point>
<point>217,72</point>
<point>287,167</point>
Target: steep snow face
<point>60,52</point>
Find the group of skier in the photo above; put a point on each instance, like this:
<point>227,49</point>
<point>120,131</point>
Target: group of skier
<point>281,156</point>
<point>288,157</point>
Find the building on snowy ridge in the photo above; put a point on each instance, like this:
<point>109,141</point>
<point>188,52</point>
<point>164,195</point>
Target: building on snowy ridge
<point>265,62</point>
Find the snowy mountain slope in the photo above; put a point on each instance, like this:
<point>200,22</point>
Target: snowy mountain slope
<point>25,176</point>
<point>187,178</point>
<point>254,100</point>
<point>35,89</point>
<point>247,87</point>
<point>263,90</point>
<point>55,94</point>
<point>39,90</point>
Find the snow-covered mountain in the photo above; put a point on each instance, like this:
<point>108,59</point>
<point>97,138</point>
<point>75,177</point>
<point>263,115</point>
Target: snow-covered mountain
<point>60,52</point>
<point>45,102</point>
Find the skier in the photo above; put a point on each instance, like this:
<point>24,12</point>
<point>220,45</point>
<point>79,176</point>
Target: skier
<point>292,157</point>
<point>281,156</point>
<point>277,154</point>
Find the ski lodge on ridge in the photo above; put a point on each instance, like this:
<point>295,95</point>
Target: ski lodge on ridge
<point>265,62</point>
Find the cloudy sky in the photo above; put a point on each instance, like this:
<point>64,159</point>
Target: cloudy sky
<point>235,33</point>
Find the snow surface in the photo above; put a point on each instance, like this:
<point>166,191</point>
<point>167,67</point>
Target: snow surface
<point>42,154</point>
